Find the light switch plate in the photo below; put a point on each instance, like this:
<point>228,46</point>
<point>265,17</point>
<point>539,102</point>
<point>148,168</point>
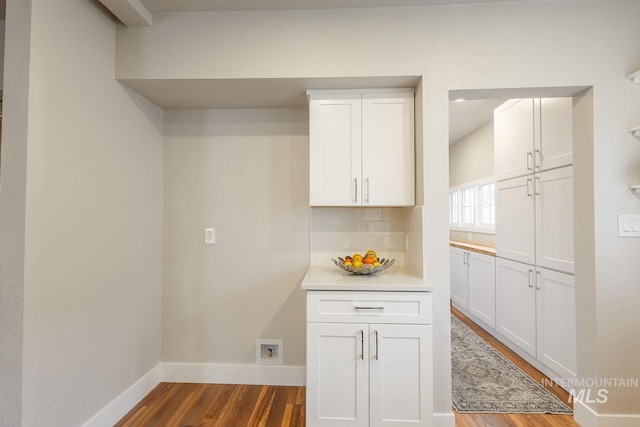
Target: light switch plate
<point>209,236</point>
<point>628,225</point>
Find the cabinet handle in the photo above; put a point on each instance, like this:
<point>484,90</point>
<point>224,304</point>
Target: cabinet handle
<point>530,156</point>
<point>529,284</point>
<point>377,345</point>
<point>361,307</point>
<point>529,181</point>
<point>355,186</point>
<point>538,280</point>
<point>537,163</point>
<point>367,190</point>
<point>538,186</point>
<point>361,344</point>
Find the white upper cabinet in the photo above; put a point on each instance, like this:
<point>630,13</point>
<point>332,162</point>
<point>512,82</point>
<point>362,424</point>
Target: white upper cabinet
<point>532,135</point>
<point>554,219</point>
<point>554,147</point>
<point>514,138</point>
<point>361,148</point>
<point>335,153</point>
<point>515,219</point>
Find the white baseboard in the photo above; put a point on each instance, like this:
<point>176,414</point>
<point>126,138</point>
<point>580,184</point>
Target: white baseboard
<point>445,419</point>
<point>118,407</point>
<point>215,373</point>
<point>587,417</point>
<point>218,373</point>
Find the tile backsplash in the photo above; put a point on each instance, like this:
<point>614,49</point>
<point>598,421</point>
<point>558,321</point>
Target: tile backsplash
<point>340,231</point>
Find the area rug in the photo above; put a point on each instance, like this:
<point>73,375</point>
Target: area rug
<point>485,381</point>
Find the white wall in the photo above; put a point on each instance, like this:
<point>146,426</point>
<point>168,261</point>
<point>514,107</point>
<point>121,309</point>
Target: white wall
<point>246,174</point>
<point>497,45</point>
<point>12,210</point>
<point>88,172</point>
<point>471,158</point>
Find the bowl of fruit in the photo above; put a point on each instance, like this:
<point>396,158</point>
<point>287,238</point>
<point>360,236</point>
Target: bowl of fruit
<point>369,263</point>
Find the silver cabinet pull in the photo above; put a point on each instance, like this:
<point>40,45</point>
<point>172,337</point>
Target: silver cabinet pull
<point>538,186</point>
<point>530,156</point>
<point>355,186</point>
<point>367,182</point>
<point>537,163</point>
<point>362,307</point>
<point>530,272</point>
<point>529,181</point>
<point>377,345</point>
<point>361,344</point>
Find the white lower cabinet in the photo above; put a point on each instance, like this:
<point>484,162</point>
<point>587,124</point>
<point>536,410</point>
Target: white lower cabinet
<point>516,303</point>
<point>535,310</point>
<point>556,322</point>
<point>459,277</point>
<point>482,287</point>
<point>368,369</point>
<point>473,281</point>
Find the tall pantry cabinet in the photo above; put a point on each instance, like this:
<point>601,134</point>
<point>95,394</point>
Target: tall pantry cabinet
<point>535,290</point>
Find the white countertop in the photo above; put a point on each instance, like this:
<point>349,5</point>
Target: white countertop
<point>331,278</point>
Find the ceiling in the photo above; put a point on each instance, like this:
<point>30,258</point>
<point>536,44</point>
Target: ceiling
<point>467,116</point>
<point>464,117</point>
<point>161,6</point>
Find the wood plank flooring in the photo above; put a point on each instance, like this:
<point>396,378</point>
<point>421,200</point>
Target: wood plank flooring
<point>226,405</point>
<point>218,405</point>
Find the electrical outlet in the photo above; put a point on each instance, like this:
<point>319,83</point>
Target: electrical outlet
<point>209,236</point>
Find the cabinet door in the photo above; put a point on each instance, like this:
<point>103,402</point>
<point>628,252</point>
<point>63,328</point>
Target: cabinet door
<point>557,322</point>
<point>514,138</point>
<point>515,219</point>
<point>387,149</point>
<point>400,375</point>
<point>334,150</point>
<point>554,147</point>
<point>554,219</point>
<point>482,287</point>
<point>516,303</point>
<point>337,392</point>
<point>459,277</point>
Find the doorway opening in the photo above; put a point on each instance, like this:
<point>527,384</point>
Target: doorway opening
<point>488,219</point>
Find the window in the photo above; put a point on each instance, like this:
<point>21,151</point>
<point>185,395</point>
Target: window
<point>487,205</point>
<point>453,208</point>
<point>472,206</point>
<point>467,218</point>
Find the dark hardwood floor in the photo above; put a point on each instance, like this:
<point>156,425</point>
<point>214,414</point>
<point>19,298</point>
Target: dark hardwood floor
<point>225,405</point>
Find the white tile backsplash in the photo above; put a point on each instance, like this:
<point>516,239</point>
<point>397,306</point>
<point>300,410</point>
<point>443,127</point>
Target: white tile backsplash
<point>340,231</point>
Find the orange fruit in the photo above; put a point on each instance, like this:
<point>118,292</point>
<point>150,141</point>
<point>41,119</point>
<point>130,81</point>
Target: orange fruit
<point>368,260</point>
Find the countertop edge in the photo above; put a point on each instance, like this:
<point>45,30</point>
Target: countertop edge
<point>473,247</point>
<point>323,278</point>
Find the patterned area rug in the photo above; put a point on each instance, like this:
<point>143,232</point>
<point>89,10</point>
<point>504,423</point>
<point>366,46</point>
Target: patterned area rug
<point>485,381</point>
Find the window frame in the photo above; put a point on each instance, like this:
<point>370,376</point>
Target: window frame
<point>477,226</point>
